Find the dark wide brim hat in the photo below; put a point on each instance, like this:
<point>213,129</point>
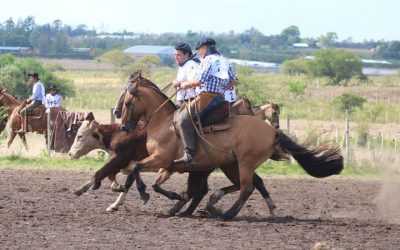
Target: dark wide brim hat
<point>53,86</point>
<point>35,75</point>
<point>205,41</point>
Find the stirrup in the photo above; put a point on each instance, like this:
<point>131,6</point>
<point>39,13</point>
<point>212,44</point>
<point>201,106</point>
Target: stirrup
<point>187,158</point>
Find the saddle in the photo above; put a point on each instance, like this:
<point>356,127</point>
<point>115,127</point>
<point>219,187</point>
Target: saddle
<point>37,113</point>
<point>216,120</point>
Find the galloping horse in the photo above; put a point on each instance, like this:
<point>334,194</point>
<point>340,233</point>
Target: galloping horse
<point>247,144</point>
<point>126,147</point>
<point>14,119</point>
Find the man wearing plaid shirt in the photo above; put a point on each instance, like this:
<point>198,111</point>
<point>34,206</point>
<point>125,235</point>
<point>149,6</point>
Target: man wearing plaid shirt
<point>213,76</point>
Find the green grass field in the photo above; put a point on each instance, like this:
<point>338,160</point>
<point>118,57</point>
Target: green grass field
<point>98,88</point>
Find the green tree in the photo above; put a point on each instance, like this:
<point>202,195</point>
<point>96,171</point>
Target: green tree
<point>148,65</point>
<point>294,67</point>
<point>329,40</point>
<point>117,58</point>
<point>297,88</point>
<point>14,77</point>
<point>338,65</point>
<point>348,101</point>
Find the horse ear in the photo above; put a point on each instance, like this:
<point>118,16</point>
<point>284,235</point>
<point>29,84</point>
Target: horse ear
<point>94,124</point>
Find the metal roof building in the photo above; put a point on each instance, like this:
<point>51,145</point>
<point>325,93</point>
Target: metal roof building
<point>166,53</point>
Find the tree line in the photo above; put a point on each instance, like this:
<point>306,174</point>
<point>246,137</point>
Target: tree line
<point>57,38</point>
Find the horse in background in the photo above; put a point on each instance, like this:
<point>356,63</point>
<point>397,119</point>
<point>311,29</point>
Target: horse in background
<point>14,119</point>
<point>267,112</point>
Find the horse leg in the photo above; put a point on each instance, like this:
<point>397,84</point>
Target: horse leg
<point>23,138</point>
<point>163,176</point>
<point>197,190</point>
<point>141,187</point>
<point>217,195</point>
<point>246,188</point>
<point>11,137</point>
<point>84,188</point>
<point>120,200</point>
<point>259,185</point>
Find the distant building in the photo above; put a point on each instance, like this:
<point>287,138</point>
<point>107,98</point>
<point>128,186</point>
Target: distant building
<point>300,45</point>
<point>165,53</point>
<point>259,66</point>
<point>14,50</point>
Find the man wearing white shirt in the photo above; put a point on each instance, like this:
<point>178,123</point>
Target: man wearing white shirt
<point>53,99</point>
<point>37,98</point>
<point>187,70</point>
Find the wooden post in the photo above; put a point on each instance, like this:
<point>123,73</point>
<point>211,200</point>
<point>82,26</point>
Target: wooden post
<point>288,124</point>
<point>347,137</point>
<point>112,115</point>
<point>48,131</point>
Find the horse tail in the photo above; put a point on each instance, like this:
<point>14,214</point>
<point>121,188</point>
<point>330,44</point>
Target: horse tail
<point>322,161</point>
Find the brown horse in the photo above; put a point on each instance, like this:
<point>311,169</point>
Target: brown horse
<point>247,144</point>
<point>126,147</point>
<point>14,119</point>
<point>268,112</point>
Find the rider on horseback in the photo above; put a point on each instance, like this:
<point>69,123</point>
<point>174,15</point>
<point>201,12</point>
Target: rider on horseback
<point>37,98</point>
<point>211,80</point>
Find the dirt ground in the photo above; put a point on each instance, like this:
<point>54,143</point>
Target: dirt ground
<point>39,211</point>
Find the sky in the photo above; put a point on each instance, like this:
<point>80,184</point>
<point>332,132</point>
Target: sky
<point>356,19</point>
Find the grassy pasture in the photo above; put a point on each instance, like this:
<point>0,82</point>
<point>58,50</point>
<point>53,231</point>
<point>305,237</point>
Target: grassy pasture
<point>98,87</point>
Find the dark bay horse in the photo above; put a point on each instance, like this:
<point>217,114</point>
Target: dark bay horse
<point>247,144</point>
<point>14,119</point>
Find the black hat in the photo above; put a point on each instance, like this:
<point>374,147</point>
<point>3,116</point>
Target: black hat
<point>53,86</point>
<point>205,41</point>
<point>184,47</point>
<point>36,75</point>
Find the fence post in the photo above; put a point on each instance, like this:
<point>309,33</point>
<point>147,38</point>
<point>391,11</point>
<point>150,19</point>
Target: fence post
<point>112,115</point>
<point>48,131</point>
<point>288,124</point>
<point>347,137</point>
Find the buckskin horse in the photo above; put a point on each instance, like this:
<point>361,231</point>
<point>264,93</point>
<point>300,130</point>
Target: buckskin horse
<point>126,147</point>
<point>268,112</point>
<point>14,119</point>
<point>247,144</point>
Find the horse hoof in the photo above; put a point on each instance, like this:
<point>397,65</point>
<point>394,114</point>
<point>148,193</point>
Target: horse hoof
<point>96,185</point>
<point>119,189</point>
<point>185,214</point>
<point>145,197</point>
<point>78,192</point>
<point>112,209</point>
<point>164,215</point>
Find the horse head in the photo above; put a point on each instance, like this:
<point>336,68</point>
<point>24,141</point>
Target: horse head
<point>132,78</point>
<point>141,99</point>
<point>275,112</point>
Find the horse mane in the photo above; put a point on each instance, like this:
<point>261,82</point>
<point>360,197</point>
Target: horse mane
<point>137,80</point>
<point>9,96</point>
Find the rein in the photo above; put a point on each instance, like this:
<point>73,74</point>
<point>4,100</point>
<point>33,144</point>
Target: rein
<point>200,133</point>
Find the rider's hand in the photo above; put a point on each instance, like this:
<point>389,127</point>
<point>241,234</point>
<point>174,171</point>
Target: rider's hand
<point>28,101</point>
<point>176,83</point>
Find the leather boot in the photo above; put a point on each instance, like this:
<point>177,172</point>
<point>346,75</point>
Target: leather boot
<point>22,129</point>
<point>187,158</point>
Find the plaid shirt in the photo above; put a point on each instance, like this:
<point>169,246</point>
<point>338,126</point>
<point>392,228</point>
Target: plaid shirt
<point>210,83</point>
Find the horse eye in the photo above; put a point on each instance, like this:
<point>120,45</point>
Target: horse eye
<point>128,104</point>
<point>79,137</point>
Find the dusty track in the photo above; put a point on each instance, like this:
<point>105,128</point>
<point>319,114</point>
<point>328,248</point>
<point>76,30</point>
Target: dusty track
<point>39,211</point>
